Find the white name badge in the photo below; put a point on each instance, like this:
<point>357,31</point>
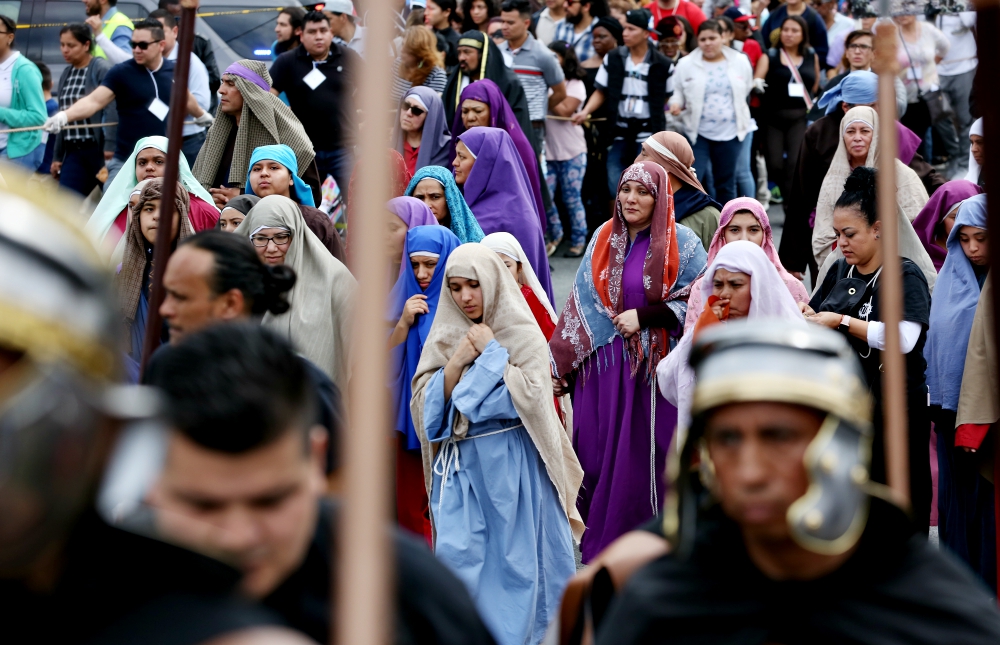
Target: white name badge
<point>797,90</point>
<point>314,78</point>
<point>914,73</point>
<point>159,109</point>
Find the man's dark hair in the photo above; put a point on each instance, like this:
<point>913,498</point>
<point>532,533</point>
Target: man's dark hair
<point>446,5</point>
<point>316,16</point>
<point>81,33</point>
<point>233,388</point>
<point>727,23</point>
<point>8,23</point>
<point>598,8</point>
<point>163,14</point>
<point>859,192</point>
<point>154,27</point>
<point>163,4</point>
<point>46,75</point>
<point>238,267</point>
<point>296,17</point>
<point>523,7</point>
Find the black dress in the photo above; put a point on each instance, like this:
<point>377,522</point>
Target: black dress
<point>916,308</point>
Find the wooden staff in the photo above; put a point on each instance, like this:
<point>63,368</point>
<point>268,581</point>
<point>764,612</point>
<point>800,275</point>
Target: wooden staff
<point>987,99</point>
<point>363,604</point>
<point>891,296</point>
<point>175,140</point>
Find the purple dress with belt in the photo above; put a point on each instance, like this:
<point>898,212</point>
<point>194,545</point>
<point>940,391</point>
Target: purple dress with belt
<point>622,476</point>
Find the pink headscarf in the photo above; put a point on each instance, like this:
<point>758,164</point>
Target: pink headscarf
<point>696,302</point>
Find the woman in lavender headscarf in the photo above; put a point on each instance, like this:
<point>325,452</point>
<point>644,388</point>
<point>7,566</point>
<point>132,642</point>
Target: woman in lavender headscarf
<point>483,104</point>
<point>495,184</point>
<point>428,130</point>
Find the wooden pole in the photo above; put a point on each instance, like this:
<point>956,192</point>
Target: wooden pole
<point>175,138</point>
<point>891,293</point>
<point>364,599</point>
<point>987,95</point>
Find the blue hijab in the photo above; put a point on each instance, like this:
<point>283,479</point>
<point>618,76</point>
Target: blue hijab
<point>404,357</point>
<point>953,307</point>
<point>286,157</point>
<point>463,222</point>
<point>857,88</point>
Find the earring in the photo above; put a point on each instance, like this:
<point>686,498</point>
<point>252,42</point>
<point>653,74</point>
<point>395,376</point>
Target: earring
<point>877,236</point>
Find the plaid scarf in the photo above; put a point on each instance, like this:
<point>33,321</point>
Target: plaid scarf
<point>132,276</point>
<point>265,121</point>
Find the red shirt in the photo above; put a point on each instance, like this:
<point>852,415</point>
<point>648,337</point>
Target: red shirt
<point>687,10</point>
<point>753,51</point>
<point>410,157</point>
<point>540,313</point>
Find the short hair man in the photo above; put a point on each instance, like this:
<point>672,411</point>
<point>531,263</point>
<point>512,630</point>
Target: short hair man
<point>247,110</point>
<point>202,47</point>
<point>142,105</point>
<point>243,478</point>
<point>25,105</point>
<point>67,573</point>
<point>288,30</point>
<point>319,80</point>
<point>578,25</point>
<point>536,66</point>
<point>777,533</point>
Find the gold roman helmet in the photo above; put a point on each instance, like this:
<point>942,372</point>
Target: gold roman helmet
<point>751,361</point>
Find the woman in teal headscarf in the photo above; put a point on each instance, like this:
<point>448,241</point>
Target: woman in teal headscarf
<point>148,161</point>
<point>436,187</point>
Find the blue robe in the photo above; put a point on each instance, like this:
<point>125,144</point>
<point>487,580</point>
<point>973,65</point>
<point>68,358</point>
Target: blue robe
<point>500,526</point>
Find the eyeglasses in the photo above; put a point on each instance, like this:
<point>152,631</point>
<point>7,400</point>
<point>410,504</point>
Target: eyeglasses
<point>143,45</point>
<point>281,239</point>
<point>413,109</point>
<point>859,46</point>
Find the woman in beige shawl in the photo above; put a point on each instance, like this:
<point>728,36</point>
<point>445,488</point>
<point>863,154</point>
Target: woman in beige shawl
<point>501,474</point>
<point>317,323</point>
<point>859,147</point>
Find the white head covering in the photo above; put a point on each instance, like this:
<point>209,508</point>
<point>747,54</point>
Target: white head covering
<point>507,244</point>
<point>769,299</point>
<point>974,168</point>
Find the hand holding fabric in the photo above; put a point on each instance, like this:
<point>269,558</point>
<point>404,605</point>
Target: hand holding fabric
<point>414,306</point>
<point>480,336</point>
<point>465,353</point>
<point>627,323</point>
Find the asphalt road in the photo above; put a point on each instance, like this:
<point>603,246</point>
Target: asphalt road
<point>564,269</point>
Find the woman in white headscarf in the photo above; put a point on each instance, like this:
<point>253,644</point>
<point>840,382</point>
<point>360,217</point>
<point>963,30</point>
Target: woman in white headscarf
<point>741,282</point>
<point>317,322</point>
<point>512,255</point>
<point>976,154</point>
<point>859,147</point>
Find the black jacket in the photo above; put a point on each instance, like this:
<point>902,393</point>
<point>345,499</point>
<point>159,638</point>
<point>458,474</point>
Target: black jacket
<point>659,71</point>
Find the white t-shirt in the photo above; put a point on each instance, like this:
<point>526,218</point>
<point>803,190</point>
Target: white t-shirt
<point>563,140</point>
<point>718,114</point>
<point>6,90</point>
<point>962,56</point>
<point>633,103</point>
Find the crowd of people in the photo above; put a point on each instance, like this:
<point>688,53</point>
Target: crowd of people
<point>682,402</point>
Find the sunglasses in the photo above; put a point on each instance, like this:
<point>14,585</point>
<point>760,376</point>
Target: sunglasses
<point>142,45</point>
<point>414,110</point>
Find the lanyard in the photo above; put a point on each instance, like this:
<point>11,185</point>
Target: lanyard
<point>156,87</point>
<point>798,79</point>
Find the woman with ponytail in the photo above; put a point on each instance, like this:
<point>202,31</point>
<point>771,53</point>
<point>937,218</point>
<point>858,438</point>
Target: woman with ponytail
<point>848,300</point>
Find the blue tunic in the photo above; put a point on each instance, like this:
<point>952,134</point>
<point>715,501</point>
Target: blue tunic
<point>500,525</point>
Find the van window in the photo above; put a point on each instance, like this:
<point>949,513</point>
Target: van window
<point>249,34</point>
<point>11,9</point>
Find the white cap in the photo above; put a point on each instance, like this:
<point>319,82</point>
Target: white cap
<point>340,6</point>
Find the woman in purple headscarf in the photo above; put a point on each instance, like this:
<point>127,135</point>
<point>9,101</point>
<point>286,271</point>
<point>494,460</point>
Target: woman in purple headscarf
<point>934,222</point>
<point>483,104</point>
<point>404,214</point>
<point>421,132</point>
<point>495,184</point>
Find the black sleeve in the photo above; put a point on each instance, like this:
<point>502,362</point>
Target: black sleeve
<point>828,282</point>
<point>278,72</point>
<point>203,50</point>
<point>916,295</point>
<point>658,316</point>
<point>329,413</point>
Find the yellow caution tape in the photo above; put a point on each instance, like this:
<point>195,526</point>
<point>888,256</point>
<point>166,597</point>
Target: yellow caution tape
<point>208,14</point>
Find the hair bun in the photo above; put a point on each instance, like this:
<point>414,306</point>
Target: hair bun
<point>278,280</point>
<point>862,180</point>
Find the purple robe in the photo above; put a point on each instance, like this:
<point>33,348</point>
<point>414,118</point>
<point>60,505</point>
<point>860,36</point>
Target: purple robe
<point>611,431</point>
<point>498,193</point>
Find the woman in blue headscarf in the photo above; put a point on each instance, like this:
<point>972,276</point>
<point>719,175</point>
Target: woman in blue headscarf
<point>271,171</point>
<point>436,187</point>
<point>953,308</point>
<point>414,301</point>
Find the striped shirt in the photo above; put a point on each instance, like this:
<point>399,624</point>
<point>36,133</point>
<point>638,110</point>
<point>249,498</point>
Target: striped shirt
<point>538,69</point>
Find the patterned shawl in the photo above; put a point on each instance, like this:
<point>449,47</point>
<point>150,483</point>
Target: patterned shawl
<point>129,281</point>
<point>265,120</point>
<point>674,260</point>
<point>696,303</point>
<point>463,222</point>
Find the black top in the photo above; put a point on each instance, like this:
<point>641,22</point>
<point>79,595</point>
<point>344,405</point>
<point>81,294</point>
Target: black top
<point>449,38</point>
<point>226,163</point>
<point>916,308</point>
<point>327,112</point>
<point>135,88</point>
<point>779,76</point>
<point>120,587</point>
<point>894,589</point>
<point>432,605</point>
